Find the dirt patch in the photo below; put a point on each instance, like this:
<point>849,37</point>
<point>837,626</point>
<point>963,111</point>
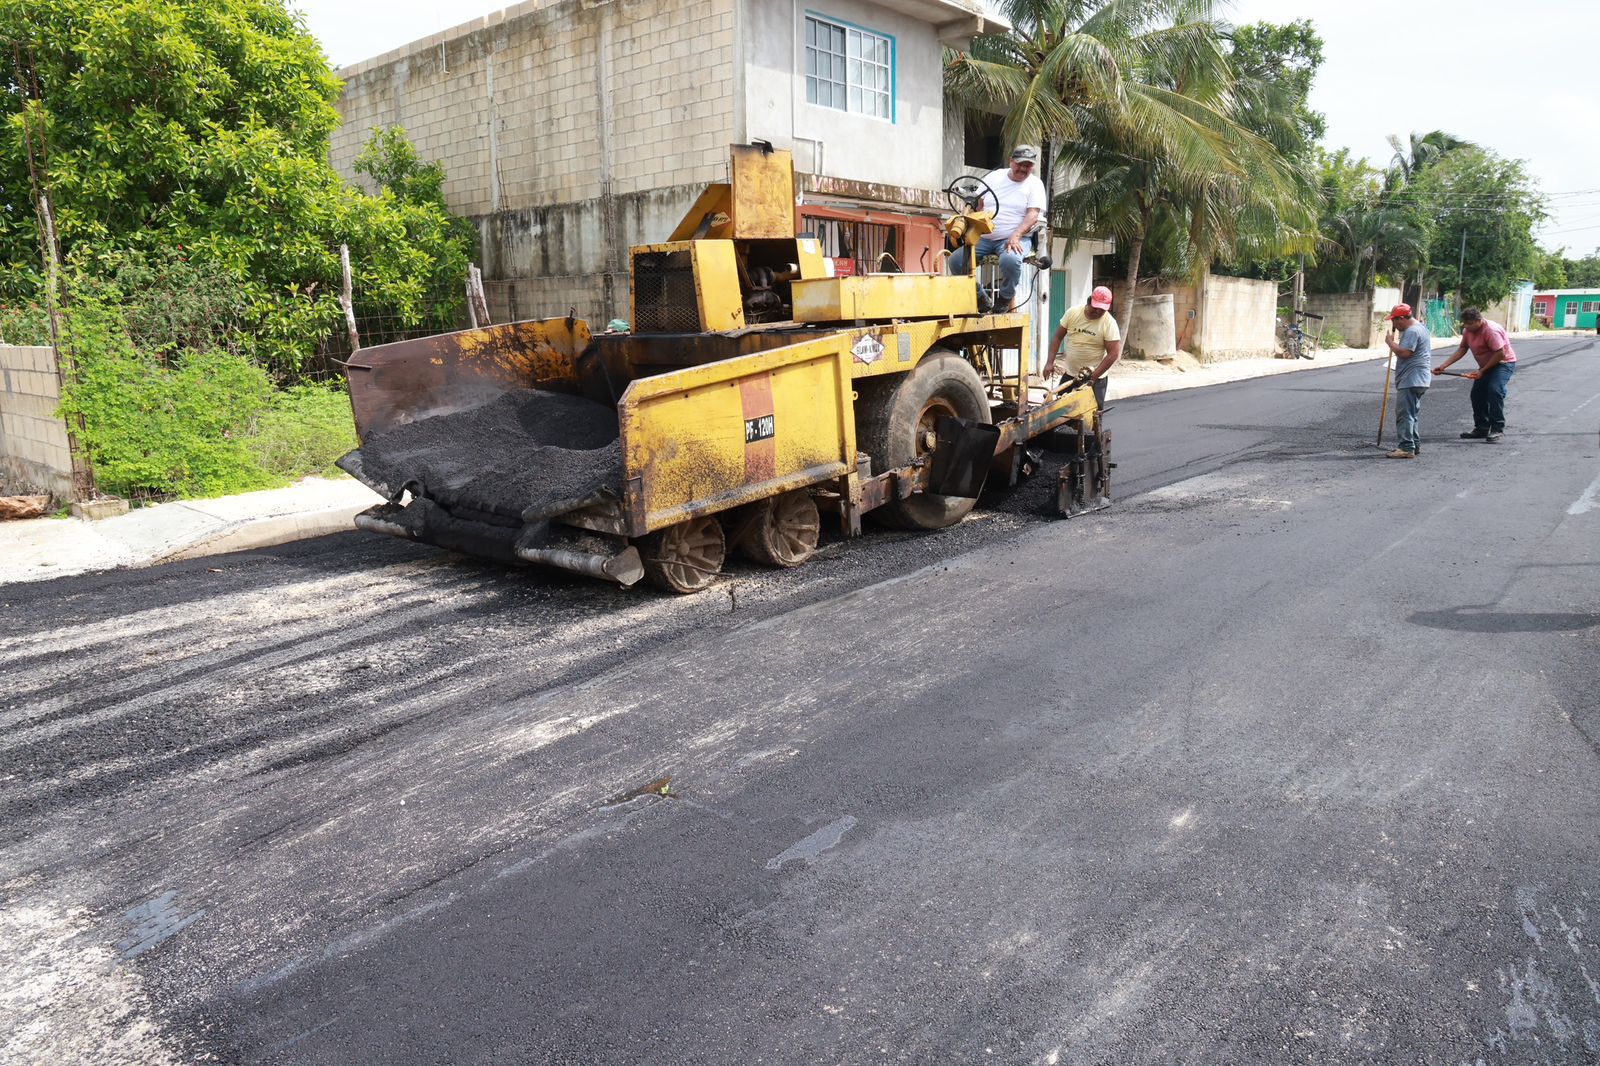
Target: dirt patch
<point>526,449</point>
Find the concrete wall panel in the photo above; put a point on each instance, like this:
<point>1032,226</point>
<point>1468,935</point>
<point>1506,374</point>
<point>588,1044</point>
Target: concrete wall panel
<point>35,451</point>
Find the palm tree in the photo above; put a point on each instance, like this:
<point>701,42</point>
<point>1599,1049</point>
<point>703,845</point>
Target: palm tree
<point>1139,97</point>
<point>1419,152</point>
<point>1064,55</point>
<point>1372,233</point>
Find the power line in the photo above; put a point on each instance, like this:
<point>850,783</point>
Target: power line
<point>1570,221</point>
<point>1577,229</point>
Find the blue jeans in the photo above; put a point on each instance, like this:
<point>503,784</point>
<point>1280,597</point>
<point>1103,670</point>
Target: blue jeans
<point>1407,405</point>
<point>1489,398</point>
<point>1010,265</point>
<point>1408,402</point>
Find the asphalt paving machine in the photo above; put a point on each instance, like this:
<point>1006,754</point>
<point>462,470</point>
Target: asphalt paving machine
<point>755,396</point>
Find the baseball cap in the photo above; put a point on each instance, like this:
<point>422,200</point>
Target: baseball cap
<point>1400,311</point>
<point>1025,153</point>
<point>1100,297</point>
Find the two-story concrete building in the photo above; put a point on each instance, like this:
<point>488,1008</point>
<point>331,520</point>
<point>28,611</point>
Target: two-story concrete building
<point>572,129</point>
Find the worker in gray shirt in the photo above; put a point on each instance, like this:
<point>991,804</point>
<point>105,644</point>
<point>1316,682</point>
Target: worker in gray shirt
<point>1413,353</point>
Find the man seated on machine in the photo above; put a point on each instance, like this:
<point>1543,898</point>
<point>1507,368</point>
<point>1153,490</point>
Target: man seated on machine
<point>1022,200</point>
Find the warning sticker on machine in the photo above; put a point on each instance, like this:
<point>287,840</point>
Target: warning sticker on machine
<point>763,428</point>
<point>867,350</point>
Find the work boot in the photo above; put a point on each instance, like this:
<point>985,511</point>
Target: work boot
<point>1476,434</point>
<point>1493,437</point>
<point>1401,453</point>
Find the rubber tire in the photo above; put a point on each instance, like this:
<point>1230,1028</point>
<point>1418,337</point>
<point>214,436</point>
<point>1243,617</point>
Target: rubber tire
<point>659,551</point>
<point>887,415</point>
<point>783,530</point>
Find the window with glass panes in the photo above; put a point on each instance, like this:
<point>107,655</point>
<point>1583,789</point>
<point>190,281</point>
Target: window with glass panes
<point>849,69</point>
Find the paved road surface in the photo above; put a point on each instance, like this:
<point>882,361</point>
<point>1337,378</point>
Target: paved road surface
<point>1290,756</point>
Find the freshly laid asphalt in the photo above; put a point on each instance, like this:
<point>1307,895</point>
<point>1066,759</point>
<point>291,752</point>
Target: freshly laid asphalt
<point>1293,755</point>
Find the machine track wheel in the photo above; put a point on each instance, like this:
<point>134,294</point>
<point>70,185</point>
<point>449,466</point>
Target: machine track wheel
<point>686,557</point>
<point>783,530</point>
<point>895,420</point>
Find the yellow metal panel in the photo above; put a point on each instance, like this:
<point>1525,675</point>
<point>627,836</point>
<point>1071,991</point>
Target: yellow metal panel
<point>892,349</point>
<point>883,296</point>
<point>712,437</point>
<point>716,283</point>
<point>763,193</point>
<point>716,199</point>
<point>809,257</point>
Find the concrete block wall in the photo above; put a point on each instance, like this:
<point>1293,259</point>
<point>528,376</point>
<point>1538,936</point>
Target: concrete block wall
<point>1231,318</point>
<point>568,129</point>
<point>544,103</point>
<point>1358,316</point>
<point>35,452</point>
<point>1238,319</point>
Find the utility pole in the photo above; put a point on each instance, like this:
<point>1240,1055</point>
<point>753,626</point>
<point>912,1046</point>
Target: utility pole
<point>1461,270</point>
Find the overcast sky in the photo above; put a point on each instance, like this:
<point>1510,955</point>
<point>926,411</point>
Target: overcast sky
<point>1519,78</point>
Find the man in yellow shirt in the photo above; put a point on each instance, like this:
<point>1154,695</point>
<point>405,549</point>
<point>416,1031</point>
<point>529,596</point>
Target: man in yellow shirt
<point>1093,341</point>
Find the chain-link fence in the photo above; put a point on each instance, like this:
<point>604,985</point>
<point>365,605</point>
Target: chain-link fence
<point>441,309</point>
<point>1440,316</point>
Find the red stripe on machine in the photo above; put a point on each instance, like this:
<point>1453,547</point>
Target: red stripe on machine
<point>760,428</point>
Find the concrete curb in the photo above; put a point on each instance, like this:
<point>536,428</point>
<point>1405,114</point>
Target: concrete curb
<point>264,533</point>
<point>43,548</point>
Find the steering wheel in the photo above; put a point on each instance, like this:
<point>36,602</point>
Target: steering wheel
<point>967,193</point>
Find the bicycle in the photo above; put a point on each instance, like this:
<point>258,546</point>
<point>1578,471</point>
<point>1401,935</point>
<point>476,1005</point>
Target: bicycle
<point>1296,341</point>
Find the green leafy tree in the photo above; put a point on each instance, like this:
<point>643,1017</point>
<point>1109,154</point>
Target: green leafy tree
<point>1550,271</point>
<point>1496,205</point>
<point>1556,270</point>
<point>414,189</point>
<point>1275,65</point>
<point>1584,273</point>
<point>1369,234</point>
<point>155,126</point>
<point>1274,68</point>
<point>1372,236</point>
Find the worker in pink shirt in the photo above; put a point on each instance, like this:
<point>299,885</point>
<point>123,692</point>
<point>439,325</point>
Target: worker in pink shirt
<point>1496,363</point>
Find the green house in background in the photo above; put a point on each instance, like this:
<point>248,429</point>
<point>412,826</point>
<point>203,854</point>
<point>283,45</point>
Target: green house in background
<point>1568,308</point>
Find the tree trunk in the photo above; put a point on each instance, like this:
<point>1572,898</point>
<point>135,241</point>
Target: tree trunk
<point>346,300</point>
<point>1135,250</point>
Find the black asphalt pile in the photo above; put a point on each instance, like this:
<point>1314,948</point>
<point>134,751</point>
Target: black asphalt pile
<point>527,450</point>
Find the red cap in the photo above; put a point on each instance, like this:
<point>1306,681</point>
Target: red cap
<point>1100,297</point>
<point>1400,311</point>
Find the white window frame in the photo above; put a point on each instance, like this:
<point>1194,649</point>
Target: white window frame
<point>853,70</point>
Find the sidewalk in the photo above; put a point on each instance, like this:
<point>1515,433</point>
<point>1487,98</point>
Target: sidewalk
<point>40,548</point>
